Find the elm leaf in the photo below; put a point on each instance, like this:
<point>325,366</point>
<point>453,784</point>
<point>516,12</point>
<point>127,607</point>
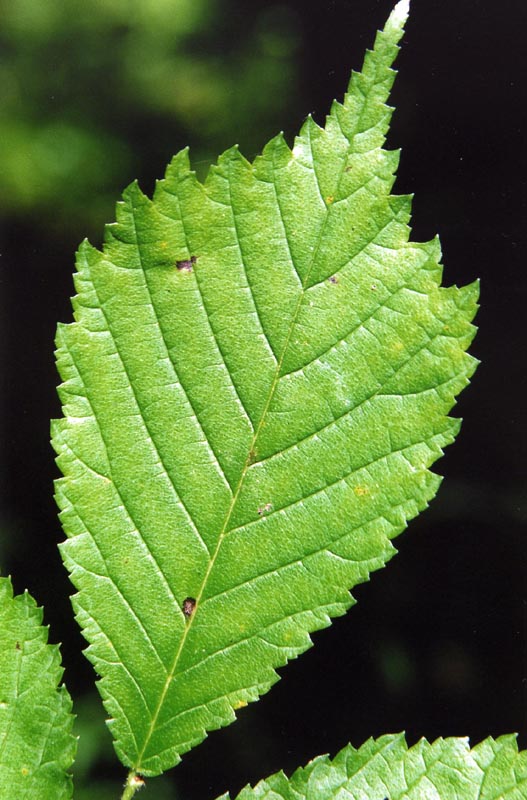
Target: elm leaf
<point>36,745</point>
<point>386,769</point>
<point>256,382</point>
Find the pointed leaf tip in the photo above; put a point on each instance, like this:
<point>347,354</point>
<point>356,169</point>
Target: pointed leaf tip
<point>400,13</point>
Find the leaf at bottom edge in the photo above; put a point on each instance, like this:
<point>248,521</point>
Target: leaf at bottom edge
<point>386,769</point>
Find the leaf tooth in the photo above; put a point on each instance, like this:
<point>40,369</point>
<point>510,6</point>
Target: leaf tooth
<point>229,160</point>
<point>310,128</point>
<point>276,155</point>
<point>179,165</point>
<point>277,147</point>
<point>233,154</point>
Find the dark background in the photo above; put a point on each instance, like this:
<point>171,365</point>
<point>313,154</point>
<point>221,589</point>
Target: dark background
<point>98,92</point>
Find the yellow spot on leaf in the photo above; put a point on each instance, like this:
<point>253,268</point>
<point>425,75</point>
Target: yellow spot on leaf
<point>329,199</point>
<point>360,491</point>
<point>240,704</point>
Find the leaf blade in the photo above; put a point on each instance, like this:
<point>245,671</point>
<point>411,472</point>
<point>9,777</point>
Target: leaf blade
<point>387,768</point>
<point>36,745</point>
<point>242,368</point>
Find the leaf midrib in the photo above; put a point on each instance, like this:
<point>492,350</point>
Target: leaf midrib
<point>252,448</point>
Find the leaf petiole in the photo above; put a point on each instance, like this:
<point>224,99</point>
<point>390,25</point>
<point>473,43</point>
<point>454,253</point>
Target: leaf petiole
<point>132,785</point>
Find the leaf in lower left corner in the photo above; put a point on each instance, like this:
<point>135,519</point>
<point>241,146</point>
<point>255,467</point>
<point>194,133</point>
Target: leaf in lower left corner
<point>36,745</point>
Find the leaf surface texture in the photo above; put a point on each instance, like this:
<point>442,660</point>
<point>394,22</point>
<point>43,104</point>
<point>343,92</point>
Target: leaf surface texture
<point>255,385</point>
<point>36,745</point>
<point>386,769</point>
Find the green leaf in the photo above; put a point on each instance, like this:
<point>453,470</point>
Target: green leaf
<point>36,745</point>
<point>385,769</point>
<point>257,380</point>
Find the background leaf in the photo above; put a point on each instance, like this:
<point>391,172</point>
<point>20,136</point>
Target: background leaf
<point>36,745</point>
<point>257,380</point>
<point>385,769</point>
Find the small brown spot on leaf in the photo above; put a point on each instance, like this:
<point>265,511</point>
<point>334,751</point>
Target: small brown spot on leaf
<point>186,264</point>
<point>333,279</point>
<point>251,458</point>
<point>373,287</point>
<point>17,646</point>
<point>265,509</point>
<point>189,604</point>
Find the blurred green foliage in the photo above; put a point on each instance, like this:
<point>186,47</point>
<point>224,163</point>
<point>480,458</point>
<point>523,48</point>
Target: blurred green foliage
<point>94,93</point>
